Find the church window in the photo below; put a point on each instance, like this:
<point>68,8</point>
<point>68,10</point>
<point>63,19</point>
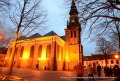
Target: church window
<point>31,51</point>
<point>39,51</point>
<point>74,33</point>
<point>48,51</point>
<point>16,50</point>
<point>21,54</point>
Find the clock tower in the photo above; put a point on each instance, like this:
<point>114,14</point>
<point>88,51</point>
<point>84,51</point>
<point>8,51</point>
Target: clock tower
<point>73,47</point>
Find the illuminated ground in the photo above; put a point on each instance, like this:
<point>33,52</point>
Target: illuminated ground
<point>36,75</point>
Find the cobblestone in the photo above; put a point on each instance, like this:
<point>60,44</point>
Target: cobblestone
<point>37,75</point>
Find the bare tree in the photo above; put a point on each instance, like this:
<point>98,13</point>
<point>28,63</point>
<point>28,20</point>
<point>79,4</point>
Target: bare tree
<point>94,12</point>
<point>115,34</point>
<point>26,16</point>
<point>104,47</point>
<point>99,9</point>
<point>4,4</point>
<point>99,15</point>
<point>6,35</point>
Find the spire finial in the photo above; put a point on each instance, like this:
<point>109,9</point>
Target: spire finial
<point>73,3</point>
<point>73,7</point>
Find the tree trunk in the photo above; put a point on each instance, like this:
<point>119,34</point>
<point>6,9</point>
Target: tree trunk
<point>13,49</point>
<point>13,54</point>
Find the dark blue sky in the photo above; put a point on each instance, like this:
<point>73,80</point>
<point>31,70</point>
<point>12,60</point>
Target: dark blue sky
<point>57,20</point>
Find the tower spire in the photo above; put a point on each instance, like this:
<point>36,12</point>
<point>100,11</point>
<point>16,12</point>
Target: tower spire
<point>73,2</point>
<point>74,20</point>
<point>73,8</point>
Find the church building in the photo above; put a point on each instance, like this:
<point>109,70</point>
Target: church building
<point>50,51</point>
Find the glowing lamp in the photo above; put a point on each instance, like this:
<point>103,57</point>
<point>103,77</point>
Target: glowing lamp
<point>116,56</point>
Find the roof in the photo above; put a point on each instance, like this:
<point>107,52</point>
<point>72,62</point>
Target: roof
<point>51,33</point>
<point>22,38</point>
<point>36,35</point>
<point>99,57</point>
<point>87,58</point>
<point>62,37</point>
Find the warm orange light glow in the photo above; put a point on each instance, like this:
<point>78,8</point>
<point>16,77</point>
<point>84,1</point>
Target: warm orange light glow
<point>43,58</point>
<point>38,58</point>
<point>26,55</point>
<point>116,56</point>
<point>20,58</point>
<point>67,56</point>
<point>68,60</point>
<point>44,54</point>
<point>5,58</point>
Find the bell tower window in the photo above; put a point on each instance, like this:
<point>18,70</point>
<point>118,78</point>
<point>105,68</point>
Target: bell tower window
<point>74,33</point>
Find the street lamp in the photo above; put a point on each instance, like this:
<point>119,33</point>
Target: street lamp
<point>116,56</point>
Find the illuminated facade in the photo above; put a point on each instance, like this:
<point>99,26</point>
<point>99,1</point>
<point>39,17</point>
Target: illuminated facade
<point>50,51</point>
<point>112,59</point>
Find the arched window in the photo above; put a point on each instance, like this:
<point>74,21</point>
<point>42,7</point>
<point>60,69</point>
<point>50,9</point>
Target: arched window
<point>16,50</point>
<point>21,54</point>
<point>48,51</point>
<point>74,33</point>
<point>31,51</point>
<point>39,51</point>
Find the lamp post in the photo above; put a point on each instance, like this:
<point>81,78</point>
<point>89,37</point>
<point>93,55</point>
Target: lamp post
<point>116,56</point>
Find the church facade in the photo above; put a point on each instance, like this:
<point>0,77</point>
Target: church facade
<point>50,51</point>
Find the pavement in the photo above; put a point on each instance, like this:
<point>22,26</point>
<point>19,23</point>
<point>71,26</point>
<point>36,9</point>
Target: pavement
<point>37,75</point>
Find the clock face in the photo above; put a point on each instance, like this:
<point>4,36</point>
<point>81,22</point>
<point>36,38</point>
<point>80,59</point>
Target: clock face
<point>73,19</point>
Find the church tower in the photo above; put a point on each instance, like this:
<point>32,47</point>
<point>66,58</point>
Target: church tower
<point>73,47</point>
